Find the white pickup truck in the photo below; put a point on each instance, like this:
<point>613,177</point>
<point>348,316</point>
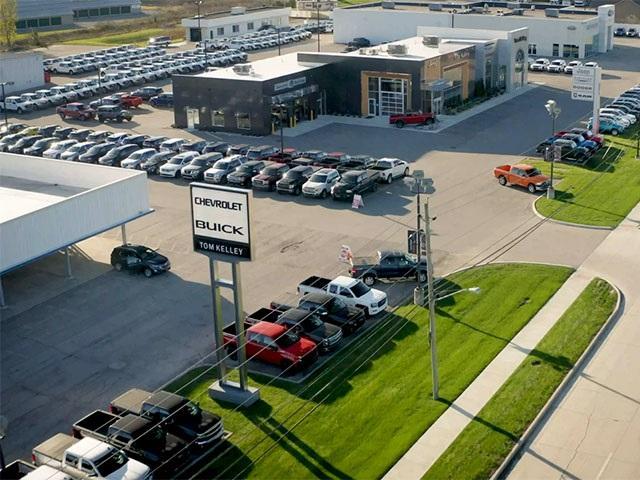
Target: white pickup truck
<point>88,459</point>
<point>16,104</point>
<point>352,291</point>
<point>390,168</point>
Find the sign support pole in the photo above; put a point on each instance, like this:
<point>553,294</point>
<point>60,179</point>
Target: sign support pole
<point>218,322</point>
<point>596,101</point>
<point>435,376</point>
<point>239,314</point>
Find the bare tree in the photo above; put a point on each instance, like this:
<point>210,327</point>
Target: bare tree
<point>8,18</point>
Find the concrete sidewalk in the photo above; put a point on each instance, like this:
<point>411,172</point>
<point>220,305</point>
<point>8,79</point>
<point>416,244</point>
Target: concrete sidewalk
<point>594,432</point>
<point>423,454</point>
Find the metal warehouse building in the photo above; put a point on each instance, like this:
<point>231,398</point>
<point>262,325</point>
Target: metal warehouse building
<point>39,14</point>
<point>49,205</point>
<point>23,69</point>
<point>568,32</point>
<point>419,73</point>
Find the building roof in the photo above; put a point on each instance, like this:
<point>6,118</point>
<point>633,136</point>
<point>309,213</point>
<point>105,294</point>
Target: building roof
<point>266,69</point>
<point>415,50</point>
<point>226,17</point>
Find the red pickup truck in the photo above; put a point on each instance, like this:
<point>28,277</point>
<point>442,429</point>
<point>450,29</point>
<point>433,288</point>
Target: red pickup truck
<point>130,101</point>
<point>411,118</point>
<point>76,111</point>
<point>522,175</point>
<point>272,343</point>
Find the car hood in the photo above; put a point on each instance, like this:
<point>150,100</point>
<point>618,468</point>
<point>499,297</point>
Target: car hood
<point>130,161</point>
<point>168,167</point>
<point>157,259</point>
<point>378,295</point>
<point>314,185</point>
<point>264,177</point>
<point>288,181</point>
<point>215,171</point>
<point>343,187</point>
<point>240,174</point>
<point>301,348</point>
<point>327,330</point>
<point>68,154</point>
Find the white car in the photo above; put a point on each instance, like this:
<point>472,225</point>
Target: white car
<point>539,65</point>
<point>16,104</point>
<point>66,93</point>
<point>38,99</point>
<point>54,98</point>
<point>172,167</point>
<point>138,157</point>
<point>73,152</point>
<point>571,65</point>
<point>557,66</point>
<point>616,118</point>
<point>591,64</point>
<point>352,291</point>
<point>81,90</point>
<point>320,183</point>
<point>173,144</point>
<point>615,111</point>
<point>58,148</point>
<point>391,168</point>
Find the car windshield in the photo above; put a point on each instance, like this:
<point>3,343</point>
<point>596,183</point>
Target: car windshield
<point>198,162</point>
<point>42,143</point>
<point>319,177</point>
<point>360,289</point>
<point>312,322</point>
<point>270,171</point>
<point>532,172</point>
<point>75,148</point>
<point>253,154</point>
<point>221,164</point>
<point>144,252</point>
<point>111,462</point>
<point>287,339</point>
<point>176,160</point>
<point>292,174</point>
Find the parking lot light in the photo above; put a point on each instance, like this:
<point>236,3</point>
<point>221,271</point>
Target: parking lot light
<point>554,111</point>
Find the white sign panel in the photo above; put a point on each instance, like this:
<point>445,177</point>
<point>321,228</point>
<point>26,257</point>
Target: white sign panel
<point>221,221</point>
<point>584,83</point>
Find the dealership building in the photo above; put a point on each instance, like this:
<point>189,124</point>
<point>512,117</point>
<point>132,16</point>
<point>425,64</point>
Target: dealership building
<point>554,31</point>
<point>438,67</point>
<point>237,21</point>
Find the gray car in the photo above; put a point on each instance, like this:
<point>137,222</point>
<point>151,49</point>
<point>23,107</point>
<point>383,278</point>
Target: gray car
<point>73,153</point>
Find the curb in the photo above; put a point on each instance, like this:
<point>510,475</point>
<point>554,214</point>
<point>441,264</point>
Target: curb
<point>562,389</point>
<point>567,224</point>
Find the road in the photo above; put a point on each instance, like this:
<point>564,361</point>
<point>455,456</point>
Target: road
<point>85,341</point>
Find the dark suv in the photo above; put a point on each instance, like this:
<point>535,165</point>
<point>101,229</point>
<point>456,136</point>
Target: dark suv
<point>244,173</point>
<point>262,152</point>
<point>113,113</point>
<point>114,157</point>
<point>294,179</point>
<point>138,258</point>
<point>268,177</point>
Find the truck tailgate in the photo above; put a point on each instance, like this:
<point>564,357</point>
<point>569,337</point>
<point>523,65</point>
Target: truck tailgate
<point>50,451</point>
<point>130,401</point>
<point>313,284</point>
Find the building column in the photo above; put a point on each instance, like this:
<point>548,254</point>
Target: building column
<point>123,231</point>
<point>2,301</point>
<point>67,261</point>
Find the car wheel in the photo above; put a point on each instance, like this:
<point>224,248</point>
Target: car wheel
<point>389,178</point>
<point>71,72</point>
<point>406,172</point>
<point>118,267</point>
<point>148,273</point>
<point>286,366</point>
<point>375,186</point>
<point>369,280</point>
<point>400,124</point>
<point>20,110</point>
<point>297,191</point>
<point>614,132</point>
<point>323,195</point>
<point>502,180</point>
<point>532,188</point>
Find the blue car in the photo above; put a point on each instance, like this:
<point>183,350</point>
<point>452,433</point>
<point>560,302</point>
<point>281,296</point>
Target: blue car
<point>162,100</point>
<point>607,126</point>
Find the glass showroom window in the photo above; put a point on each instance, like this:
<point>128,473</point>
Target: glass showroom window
<point>533,49</point>
<point>243,121</point>
<point>235,28</point>
<point>220,30</point>
<point>570,51</point>
<point>217,118</point>
<point>556,50</point>
<point>250,26</point>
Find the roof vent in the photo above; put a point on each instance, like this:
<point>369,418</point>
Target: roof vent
<point>397,49</point>
<point>238,10</point>
<point>517,11</point>
<point>512,5</point>
<point>435,7</point>
<point>431,41</point>
<point>551,12</point>
<point>477,9</point>
<point>243,69</point>
<point>388,4</point>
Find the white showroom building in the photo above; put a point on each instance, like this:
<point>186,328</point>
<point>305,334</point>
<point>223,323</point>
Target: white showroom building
<point>567,32</point>
<point>21,71</point>
<point>237,21</point>
<point>49,205</point>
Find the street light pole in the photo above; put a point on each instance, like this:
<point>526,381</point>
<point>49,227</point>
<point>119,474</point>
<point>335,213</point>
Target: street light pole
<point>435,377</point>
<point>554,111</point>
<point>318,20</point>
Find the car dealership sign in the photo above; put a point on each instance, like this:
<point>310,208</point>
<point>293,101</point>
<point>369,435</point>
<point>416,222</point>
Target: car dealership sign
<point>220,218</point>
<point>585,83</point>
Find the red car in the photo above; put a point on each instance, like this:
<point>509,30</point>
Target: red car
<point>411,118</point>
<point>76,111</point>
<point>587,134</point>
<point>130,101</point>
<point>273,343</point>
<point>285,156</point>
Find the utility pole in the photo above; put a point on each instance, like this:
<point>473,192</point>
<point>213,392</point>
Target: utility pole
<point>418,293</point>
<point>435,378</point>
<point>318,20</point>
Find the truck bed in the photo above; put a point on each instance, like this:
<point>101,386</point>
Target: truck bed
<point>16,470</point>
<point>130,401</point>
<point>53,448</point>
<point>263,315</point>
<point>96,424</point>
<point>231,328</point>
<point>319,283</point>
<point>364,261</point>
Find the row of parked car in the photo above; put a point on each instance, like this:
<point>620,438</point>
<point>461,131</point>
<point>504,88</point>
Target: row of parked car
<point>267,37</point>
<point>94,60</point>
<point>616,116</point>
<point>142,434</point>
<point>623,32</point>
<point>310,173</point>
<point>121,76</point>
<point>557,66</point>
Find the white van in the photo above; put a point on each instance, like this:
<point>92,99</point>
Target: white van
<point>162,41</point>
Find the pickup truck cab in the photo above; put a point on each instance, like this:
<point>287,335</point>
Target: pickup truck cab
<point>388,264</point>
<point>16,104</point>
<point>411,118</point>
<point>522,175</point>
<point>390,168</point>
<point>175,413</point>
<point>76,111</point>
<point>352,291</point>
<point>355,182</point>
<point>88,459</point>
<point>274,344</point>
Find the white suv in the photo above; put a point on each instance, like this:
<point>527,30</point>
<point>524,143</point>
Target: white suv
<point>557,66</point>
<point>540,65</point>
<point>16,104</point>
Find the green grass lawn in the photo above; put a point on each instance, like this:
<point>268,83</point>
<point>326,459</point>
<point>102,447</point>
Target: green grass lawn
<point>484,443</point>
<point>139,37</point>
<point>601,193</point>
<point>363,420</point>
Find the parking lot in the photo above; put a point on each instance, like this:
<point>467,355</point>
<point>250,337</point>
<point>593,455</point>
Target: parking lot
<point>87,340</point>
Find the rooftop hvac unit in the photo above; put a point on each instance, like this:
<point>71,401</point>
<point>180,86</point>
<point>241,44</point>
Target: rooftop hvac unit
<point>517,11</point>
<point>238,10</point>
<point>431,41</point>
<point>551,12</point>
<point>477,9</point>
<point>243,68</point>
<point>397,49</point>
<point>390,5</point>
<point>435,7</point>
<point>512,5</point>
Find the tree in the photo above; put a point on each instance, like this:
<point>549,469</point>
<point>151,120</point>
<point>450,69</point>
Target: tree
<point>8,18</point>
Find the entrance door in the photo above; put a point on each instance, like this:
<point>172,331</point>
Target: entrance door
<point>195,34</point>
<point>373,104</point>
<point>193,118</point>
<point>436,105</point>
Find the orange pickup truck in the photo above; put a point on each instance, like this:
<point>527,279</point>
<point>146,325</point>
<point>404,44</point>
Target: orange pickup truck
<point>522,175</point>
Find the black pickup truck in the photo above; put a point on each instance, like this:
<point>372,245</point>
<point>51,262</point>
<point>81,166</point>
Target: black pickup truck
<point>18,469</point>
<point>180,416</point>
<point>330,310</point>
<point>303,322</point>
<point>354,182</point>
<point>139,437</point>
<point>388,264</point>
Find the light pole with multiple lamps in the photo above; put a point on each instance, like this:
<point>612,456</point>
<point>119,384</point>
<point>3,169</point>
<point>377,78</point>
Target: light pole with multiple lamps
<point>4,107</point>
<point>554,111</point>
